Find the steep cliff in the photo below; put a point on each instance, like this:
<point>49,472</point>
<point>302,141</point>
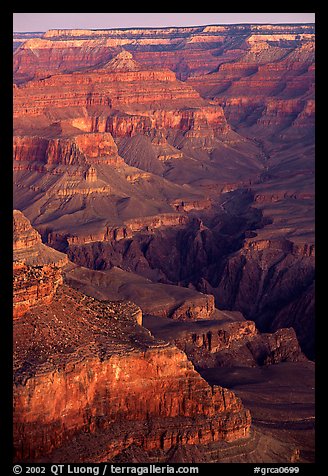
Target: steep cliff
<point>79,150</point>
<point>112,377</point>
<point>87,366</point>
<point>37,268</point>
<point>177,166</point>
<point>109,356</point>
<point>275,278</point>
<point>186,50</point>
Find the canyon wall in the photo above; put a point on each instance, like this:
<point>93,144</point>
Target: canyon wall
<point>261,278</point>
<point>125,388</point>
<point>176,166</point>
<point>80,150</point>
<point>87,366</point>
<point>36,269</point>
<point>191,50</point>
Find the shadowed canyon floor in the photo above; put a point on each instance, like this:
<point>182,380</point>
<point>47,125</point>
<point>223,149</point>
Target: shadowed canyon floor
<point>166,285</point>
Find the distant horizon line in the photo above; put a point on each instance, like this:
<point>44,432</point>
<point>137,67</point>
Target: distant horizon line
<point>168,27</point>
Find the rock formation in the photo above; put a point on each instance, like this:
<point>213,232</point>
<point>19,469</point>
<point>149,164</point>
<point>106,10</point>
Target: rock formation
<point>174,167</point>
<point>106,375</point>
<point>37,268</point>
<point>190,320</point>
<point>221,346</point>
<point>260,279</point>
<point>187,51</point>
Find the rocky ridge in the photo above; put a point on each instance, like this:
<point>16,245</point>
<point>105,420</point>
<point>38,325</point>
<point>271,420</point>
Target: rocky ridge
<point>203,178</point>
<point>85,353</point>
<point>37,268</point>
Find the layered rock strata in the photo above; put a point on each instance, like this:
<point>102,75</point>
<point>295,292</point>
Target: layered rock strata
<point>37,268</point>
<point>260,73</point>
<point>125,144</point>
<point>110,382</point>
<point>155,299</point>
<point>228,341</point>
<point>83,366</point>
<point>186,50</point>
<point>103,87</point>
<point>79,150</point>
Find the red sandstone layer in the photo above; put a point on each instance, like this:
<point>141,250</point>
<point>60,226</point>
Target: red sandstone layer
<point>106,374</point>
<point>37,268</point>
<point>185,50</point>
<point>79,150</point>
<point>116,89</point>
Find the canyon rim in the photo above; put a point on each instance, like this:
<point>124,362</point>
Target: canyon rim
<point>164,244</point>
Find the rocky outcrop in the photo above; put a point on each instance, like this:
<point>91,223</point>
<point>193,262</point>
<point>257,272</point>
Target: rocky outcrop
<point>111,234</point>
<point>122,62</point>
<point>106,374</point>
<point>228,340</point>
<point>33,285</point>
<point>91,174</point>
<point>79,150</point>
<point>187,205</point>
<point>274,277</point>
<point>99,148</point>
<point>188,51</point>
<point>205,122</point>
<point>37,268</point>
<point>155,299</point>
<point>24,236</point>
<point>242,345</point>
<point>203,308</point>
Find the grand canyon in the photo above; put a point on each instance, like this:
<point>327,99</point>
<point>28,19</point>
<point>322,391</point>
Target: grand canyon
<point>164,273</point>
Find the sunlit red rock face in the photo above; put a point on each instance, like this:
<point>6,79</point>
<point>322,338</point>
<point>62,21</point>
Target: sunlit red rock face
<point>88,367</point>
<point>254,71</point>
<point>269,87</point>
<point>120,117</point>
<point>25,236</point>
<point>122,390</point>
<point>262,75</point>
<point>101,88</point>
<point>176,157</point>
<point>187,51</point>
<point>37,268</point>
<point>91,384</point>
<point>223,342</point>
<point>80,150</point>
<point>115,101</point>
<point>122,98</point>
